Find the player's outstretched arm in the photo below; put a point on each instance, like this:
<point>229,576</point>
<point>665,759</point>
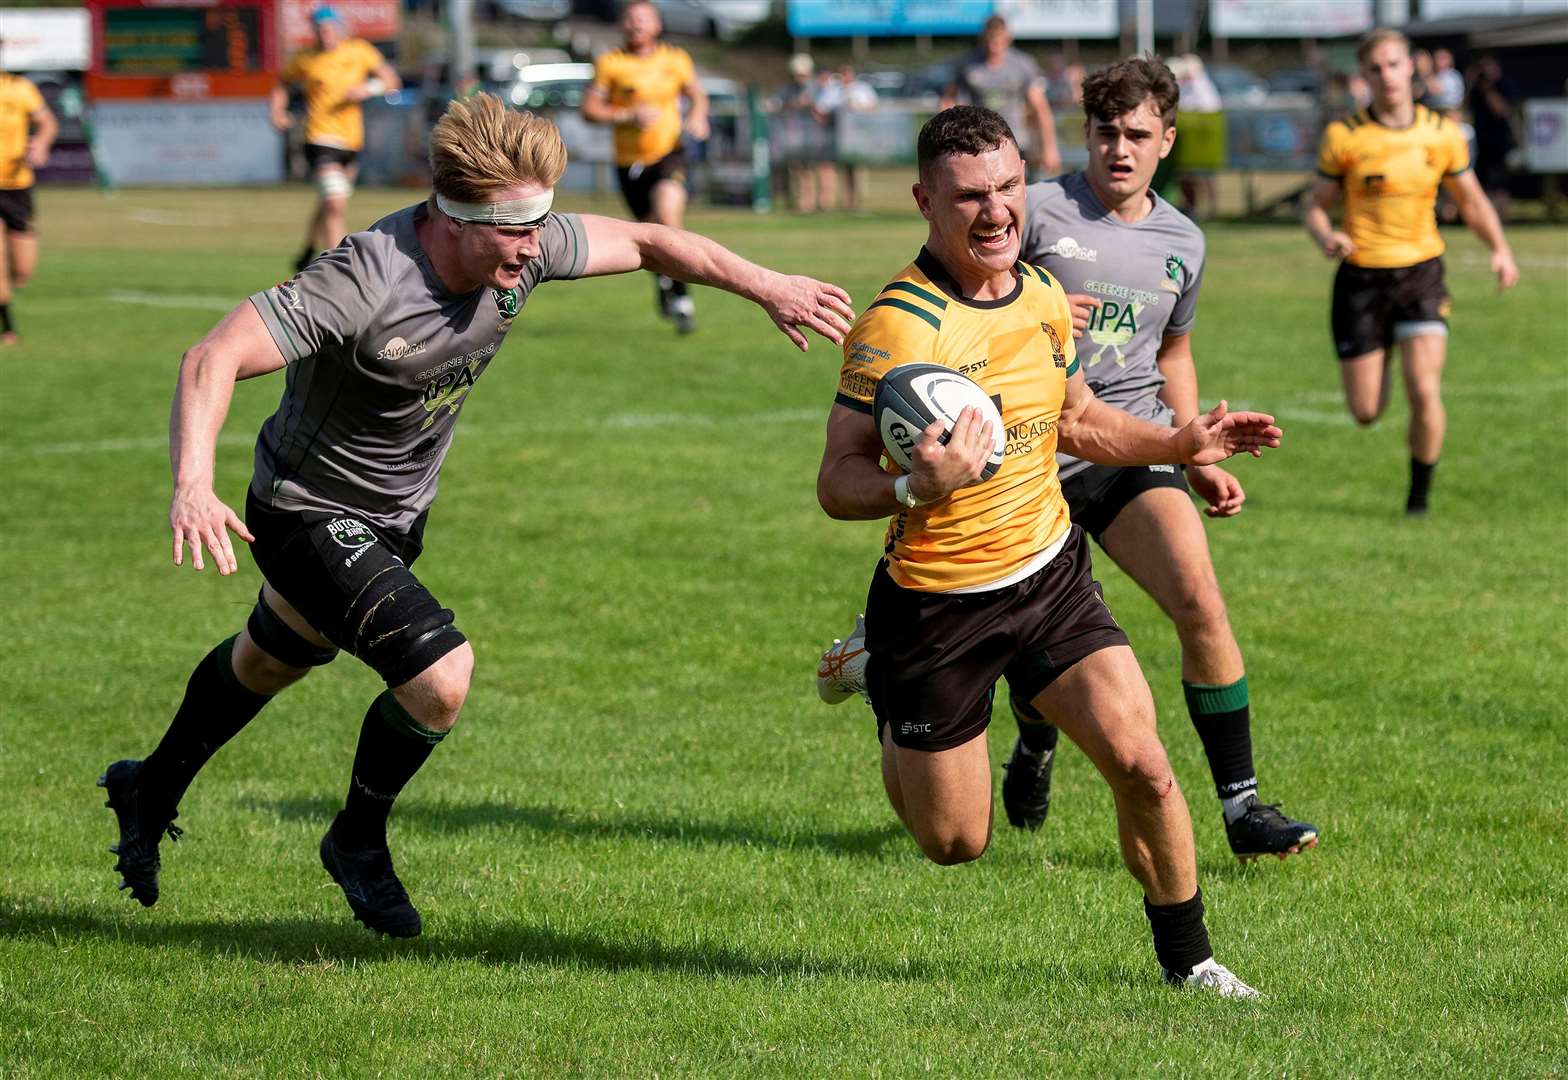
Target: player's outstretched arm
<point>1092,430</point>
<point>239,347</point>
<point>792,301</point>
<point>1333,243</point>
<point>1481,216</point>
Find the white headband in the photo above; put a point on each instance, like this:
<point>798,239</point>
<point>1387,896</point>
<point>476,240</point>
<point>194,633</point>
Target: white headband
<point>529,211</point>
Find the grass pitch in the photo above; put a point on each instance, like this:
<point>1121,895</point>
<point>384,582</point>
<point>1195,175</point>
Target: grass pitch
<point>648,849</point>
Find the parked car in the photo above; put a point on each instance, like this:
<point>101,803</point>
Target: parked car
<point>1237,85</point>
<point>722,19</point>
<point>535,10</point>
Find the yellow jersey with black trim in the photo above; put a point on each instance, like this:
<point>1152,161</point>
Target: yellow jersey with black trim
<point>325,78</point>
<point>19,100</point>
<point>629,81</point>
<point>1020,350</point>
<point>1390,178</point>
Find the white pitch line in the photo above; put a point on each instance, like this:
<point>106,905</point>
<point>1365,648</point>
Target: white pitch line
<point>188,302</point>
<point>148,216</point>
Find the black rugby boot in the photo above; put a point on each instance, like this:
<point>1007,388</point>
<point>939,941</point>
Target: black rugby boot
<point>140,832</point>
<point>1026,786</point>
<point>371,887</point>
<point>1263,830</point>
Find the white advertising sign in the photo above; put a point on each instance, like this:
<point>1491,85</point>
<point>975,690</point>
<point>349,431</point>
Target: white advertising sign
<point>1289,18</point>
<point>45,39</point>
<point>1034,19</point>
<point>1454,9</point>
<point>187,143</point>
<point>1546,135</point>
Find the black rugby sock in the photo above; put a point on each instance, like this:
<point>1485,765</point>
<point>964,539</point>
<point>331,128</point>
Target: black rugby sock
<point>5,318</point>
<point>1420,485</point>
<point>677,287</point>
<point>1181,940</point>
<point>392,747</point>
<point>1034,731</point>
<point>1223,719</point>
<point>216,707</point>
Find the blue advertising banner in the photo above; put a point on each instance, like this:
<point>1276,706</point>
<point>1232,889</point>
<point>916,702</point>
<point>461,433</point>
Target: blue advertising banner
<point>886,18</point>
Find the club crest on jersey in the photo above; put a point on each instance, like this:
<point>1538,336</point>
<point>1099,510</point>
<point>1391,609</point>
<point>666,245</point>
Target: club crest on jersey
<point>1057,356</point>
<point>350,533</point>
<point>1174,265</point>
<point>506,307</point>
<point>288,294</point>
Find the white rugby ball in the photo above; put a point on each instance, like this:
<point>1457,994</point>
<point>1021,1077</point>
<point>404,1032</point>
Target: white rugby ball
<point>912,396</point>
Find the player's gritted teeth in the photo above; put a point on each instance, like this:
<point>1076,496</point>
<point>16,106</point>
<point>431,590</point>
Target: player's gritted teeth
<point>995,239</point>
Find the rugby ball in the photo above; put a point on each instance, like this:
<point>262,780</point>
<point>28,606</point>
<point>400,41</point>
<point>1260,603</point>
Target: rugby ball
<point>911,396</point>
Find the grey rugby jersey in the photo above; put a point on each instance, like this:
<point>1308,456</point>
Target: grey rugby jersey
<point>1003,89</point>
<point>380,360</point>
<point>1146,274</point>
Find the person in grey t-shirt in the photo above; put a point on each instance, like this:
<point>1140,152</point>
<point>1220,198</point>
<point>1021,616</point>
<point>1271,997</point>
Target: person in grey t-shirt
<point>1132,266</point>
<point>1001,78</point>
<point>383,340</point>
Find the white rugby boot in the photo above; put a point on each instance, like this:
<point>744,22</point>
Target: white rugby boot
<point>841,673</point>
<point>1215,976</point>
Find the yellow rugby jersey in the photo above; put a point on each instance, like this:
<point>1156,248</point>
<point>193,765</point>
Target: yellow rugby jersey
<point>1390,178</point>
<point>19,100</point>
<point>1020,350</point>
<point>656,79</point>
<point>325,77</point>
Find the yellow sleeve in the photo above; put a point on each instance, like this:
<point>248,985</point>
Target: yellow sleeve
<point>602,76</point>
<point>1331,150</point>
<point>685,68</point>
<point>1458,149</point>
<point>881,339</point>
<point>373,57</point>
<point>32,100</point>
<point>294,70</point>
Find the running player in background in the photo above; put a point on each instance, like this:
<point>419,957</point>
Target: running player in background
<point>383,337</point>
<point>638,89</point>
<point>1387,161</point>
<point>27,131</point>
<point>985,580</point>
<point>336,77</point>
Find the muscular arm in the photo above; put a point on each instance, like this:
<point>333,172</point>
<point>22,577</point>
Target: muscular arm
<point>851,485</point>
<point>1333,243</point>
<point>598,110</point>
<point>1481,217</point>
<point>1219,489</point>
<point>619,247</point>
<point>239,347</point>
<point>697,117</point>
<point>1092,430</point>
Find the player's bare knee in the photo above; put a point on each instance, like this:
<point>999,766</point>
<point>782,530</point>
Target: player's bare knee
<point>1140,770</point>
<point>435,696</point>
<point>1199,611</point>
<point>1366,414</point>
<point>951,849</point>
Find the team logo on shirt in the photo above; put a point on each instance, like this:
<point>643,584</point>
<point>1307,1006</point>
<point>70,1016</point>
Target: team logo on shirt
<point>397,348</point>
<point>288,294</point>
<point>1068,248</point>
<point>1174,266</point>
<point>506,308</point>
<point>1057,356</point>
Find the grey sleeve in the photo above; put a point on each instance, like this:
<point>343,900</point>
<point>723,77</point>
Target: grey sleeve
<point>563,248</point>
<point>1029,71</point>
<point>1185,313</point>
<point>1030,246</point>
<point>329,303</point>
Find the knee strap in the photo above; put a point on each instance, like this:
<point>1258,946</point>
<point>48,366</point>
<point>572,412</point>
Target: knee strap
<point>280,641</point>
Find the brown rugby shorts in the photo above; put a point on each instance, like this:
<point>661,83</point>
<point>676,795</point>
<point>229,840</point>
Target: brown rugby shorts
<point>935,657</point>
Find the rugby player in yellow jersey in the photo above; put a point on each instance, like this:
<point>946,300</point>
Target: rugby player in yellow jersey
<point>27,131</point>
<point>638,89</point>
<point>1388,161</point>
<point>982,580</point>
<point>336,77</point>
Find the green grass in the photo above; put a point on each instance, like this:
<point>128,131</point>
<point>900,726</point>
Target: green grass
<point>648,849</point>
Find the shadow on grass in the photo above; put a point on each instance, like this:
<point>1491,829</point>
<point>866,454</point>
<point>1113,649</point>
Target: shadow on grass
<point>615,825</point>
<point>314,942</point>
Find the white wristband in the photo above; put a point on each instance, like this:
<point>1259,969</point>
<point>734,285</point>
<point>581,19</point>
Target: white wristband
<point>904,495</point>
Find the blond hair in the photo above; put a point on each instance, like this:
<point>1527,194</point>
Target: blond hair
<point>481,147</point>
<point>1377,37</point>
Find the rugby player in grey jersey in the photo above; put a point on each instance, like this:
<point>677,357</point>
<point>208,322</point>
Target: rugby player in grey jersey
<point>383,339</point>
<point>1132,265</point>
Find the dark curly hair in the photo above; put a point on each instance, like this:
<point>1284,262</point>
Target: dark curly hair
<point>965,130</point>
<point>1122,87</point>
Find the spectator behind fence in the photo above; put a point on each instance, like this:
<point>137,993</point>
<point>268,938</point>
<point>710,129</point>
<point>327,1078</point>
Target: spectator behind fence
<point>1198,95</point>
<point>1492,98</point>
<point>1446,87</point>
<point>801,139</point>
<point>846,92</point>
<point>1001,78</point>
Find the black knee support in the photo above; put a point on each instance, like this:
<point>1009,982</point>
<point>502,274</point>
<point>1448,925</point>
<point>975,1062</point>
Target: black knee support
<point>278,640</point>
<point>398,628</point>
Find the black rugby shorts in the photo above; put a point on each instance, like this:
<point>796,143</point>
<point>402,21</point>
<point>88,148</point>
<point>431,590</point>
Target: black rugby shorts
<point>16,209</point>
<point>1097,494</point>
<point>935,657</point>
<point>1369,302</point>
<point>637,181</point>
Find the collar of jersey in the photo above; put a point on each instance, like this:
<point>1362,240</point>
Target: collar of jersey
<point>928,265</point>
